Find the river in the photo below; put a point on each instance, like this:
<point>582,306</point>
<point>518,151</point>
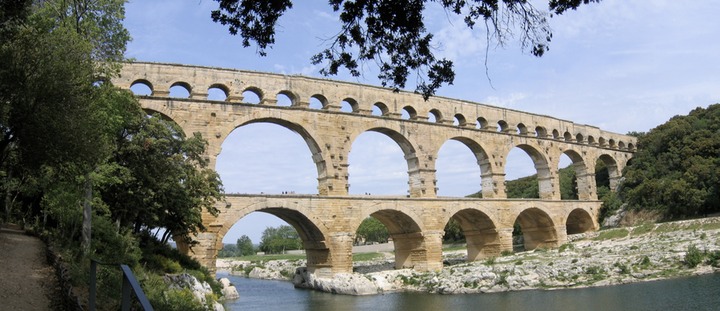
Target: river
<point>691,293</point>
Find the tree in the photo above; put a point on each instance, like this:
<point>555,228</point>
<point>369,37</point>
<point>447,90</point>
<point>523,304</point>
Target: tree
<point>676,170</point>
<point>158,178</point>
<point>392,33</point>
<point>280,239</point>
<point>245,246</point>
<point>371,230</point>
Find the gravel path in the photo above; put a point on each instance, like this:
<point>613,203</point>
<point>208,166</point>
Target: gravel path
<point>27,281</point>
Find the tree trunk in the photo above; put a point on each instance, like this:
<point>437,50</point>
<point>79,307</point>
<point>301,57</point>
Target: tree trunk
<point>87,215</point>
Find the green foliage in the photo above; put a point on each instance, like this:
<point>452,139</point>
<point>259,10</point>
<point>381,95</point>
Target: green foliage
<point>642,229</point>
<point>372,230</point>
<point>367,256</point>
<point>612,234</point>
<point>714,259</point>
<point>566,246</point>
<point>163,298</point>
<point>693,256</point>
<point>243,247</point>
<point>453,232</point>
<point>676,170</point>
<point>280,239</point>
<point>392,34</point>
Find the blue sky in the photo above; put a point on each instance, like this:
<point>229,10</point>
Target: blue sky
<point>620,65</point>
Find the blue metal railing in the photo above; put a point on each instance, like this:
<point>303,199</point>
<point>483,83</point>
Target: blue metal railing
<point>130,285</point>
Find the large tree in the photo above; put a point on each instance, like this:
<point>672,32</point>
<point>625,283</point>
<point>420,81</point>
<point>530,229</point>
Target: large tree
<point>392,33</point>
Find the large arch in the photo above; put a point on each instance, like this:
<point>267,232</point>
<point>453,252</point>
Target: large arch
<point>313,237</point>
<point>406,233</point>
<point>481,234</point>
<point>414,171</point>
<point>538,229</point>
<point>480,158</point>
<point>310,141</point>
<point>579,221</point>
<point>546,187</point>
<point>585,180</point>
<point>613,170</point>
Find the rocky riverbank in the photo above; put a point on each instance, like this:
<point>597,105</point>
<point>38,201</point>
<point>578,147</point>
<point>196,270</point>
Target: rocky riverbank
<point>608,257</point>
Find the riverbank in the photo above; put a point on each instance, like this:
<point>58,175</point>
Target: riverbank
<point>608,257</point>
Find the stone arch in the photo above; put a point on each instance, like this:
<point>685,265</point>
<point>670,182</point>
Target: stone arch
<point>502,126</point>
<point>540,132</point>
<point>481,123</point>
<point>411,112</point>
<point>591,140</point>
<point>621,145</point>
<point>481,234</point>
<point>406,232</point>
<point>383,109</point>
<point>542,169</point>
<point>489,189</point>
<point>631,147</point>
<point>182,85</point>
<point>349,105</point>
<point>311,142</point>
<point>414,173</point>
<point>555,134</point>
<point>584,178</point>
<point>221,87</point>
<point>313,235</point>
<point>614,174</point>
<point>580,138</point>
<point>522,129</point>
<point>579,221</point>
<point>254,90</point>
<point>611,143</point>
<point>322,100</point>
<point>567,136</point>
<point>538,229</point>
<point>290,96</point>
<point>459,120</point>
<point>435,113</point>
<point>602,142</point>
<point>145,83</point>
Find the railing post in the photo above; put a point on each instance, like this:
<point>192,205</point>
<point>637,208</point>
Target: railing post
<point>93,286</point>
<point>125,299</point>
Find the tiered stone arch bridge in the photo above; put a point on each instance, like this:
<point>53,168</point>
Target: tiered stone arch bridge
<point>329,115</point>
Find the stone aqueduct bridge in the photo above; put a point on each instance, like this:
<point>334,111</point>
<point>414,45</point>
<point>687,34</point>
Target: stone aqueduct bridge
<point>328,220</point>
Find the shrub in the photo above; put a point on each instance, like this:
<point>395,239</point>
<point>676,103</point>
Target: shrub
<point>693,256</point>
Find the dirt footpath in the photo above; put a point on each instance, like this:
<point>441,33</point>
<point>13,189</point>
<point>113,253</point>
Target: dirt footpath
<point>27,281</point>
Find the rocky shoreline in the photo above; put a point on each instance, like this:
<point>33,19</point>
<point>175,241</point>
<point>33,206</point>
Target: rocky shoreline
<point>608,257</point>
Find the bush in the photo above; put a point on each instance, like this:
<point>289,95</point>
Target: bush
<point>693,256</point>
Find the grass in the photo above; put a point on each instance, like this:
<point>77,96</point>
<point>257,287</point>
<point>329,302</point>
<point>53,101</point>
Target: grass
<point>453,247</point>
<point>642,229</point>
<point>612,234</point>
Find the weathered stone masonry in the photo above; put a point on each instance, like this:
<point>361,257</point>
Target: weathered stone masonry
<point>327,221</point>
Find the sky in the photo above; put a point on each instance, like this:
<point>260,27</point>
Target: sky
<point>620,65</point>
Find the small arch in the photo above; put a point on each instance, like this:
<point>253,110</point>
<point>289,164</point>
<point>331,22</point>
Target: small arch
<point>502,126</point>
<point>555,134</point>
<point>621,145</point>
<point>602,142</point>
<point>180,90</point>
<point>252,95</point>
<point>318,101</point>
<point>612,143</point>
<point>580,138</point>
<point>522,129</point>
<point>435,116</point>
<point>408,113</point>
<point>286,99</point>
<point>141,87</point>
<point>567,136</point>
<point>380,109</point>
<point>591,140</point>
<point>537,229</point>
<point>349,105</point>
<point>218,92</point>
<point>540,132</point>
<point>481,123</point>
<point>631,147</point>
<point>459,120</point>
<point>579,221</point>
